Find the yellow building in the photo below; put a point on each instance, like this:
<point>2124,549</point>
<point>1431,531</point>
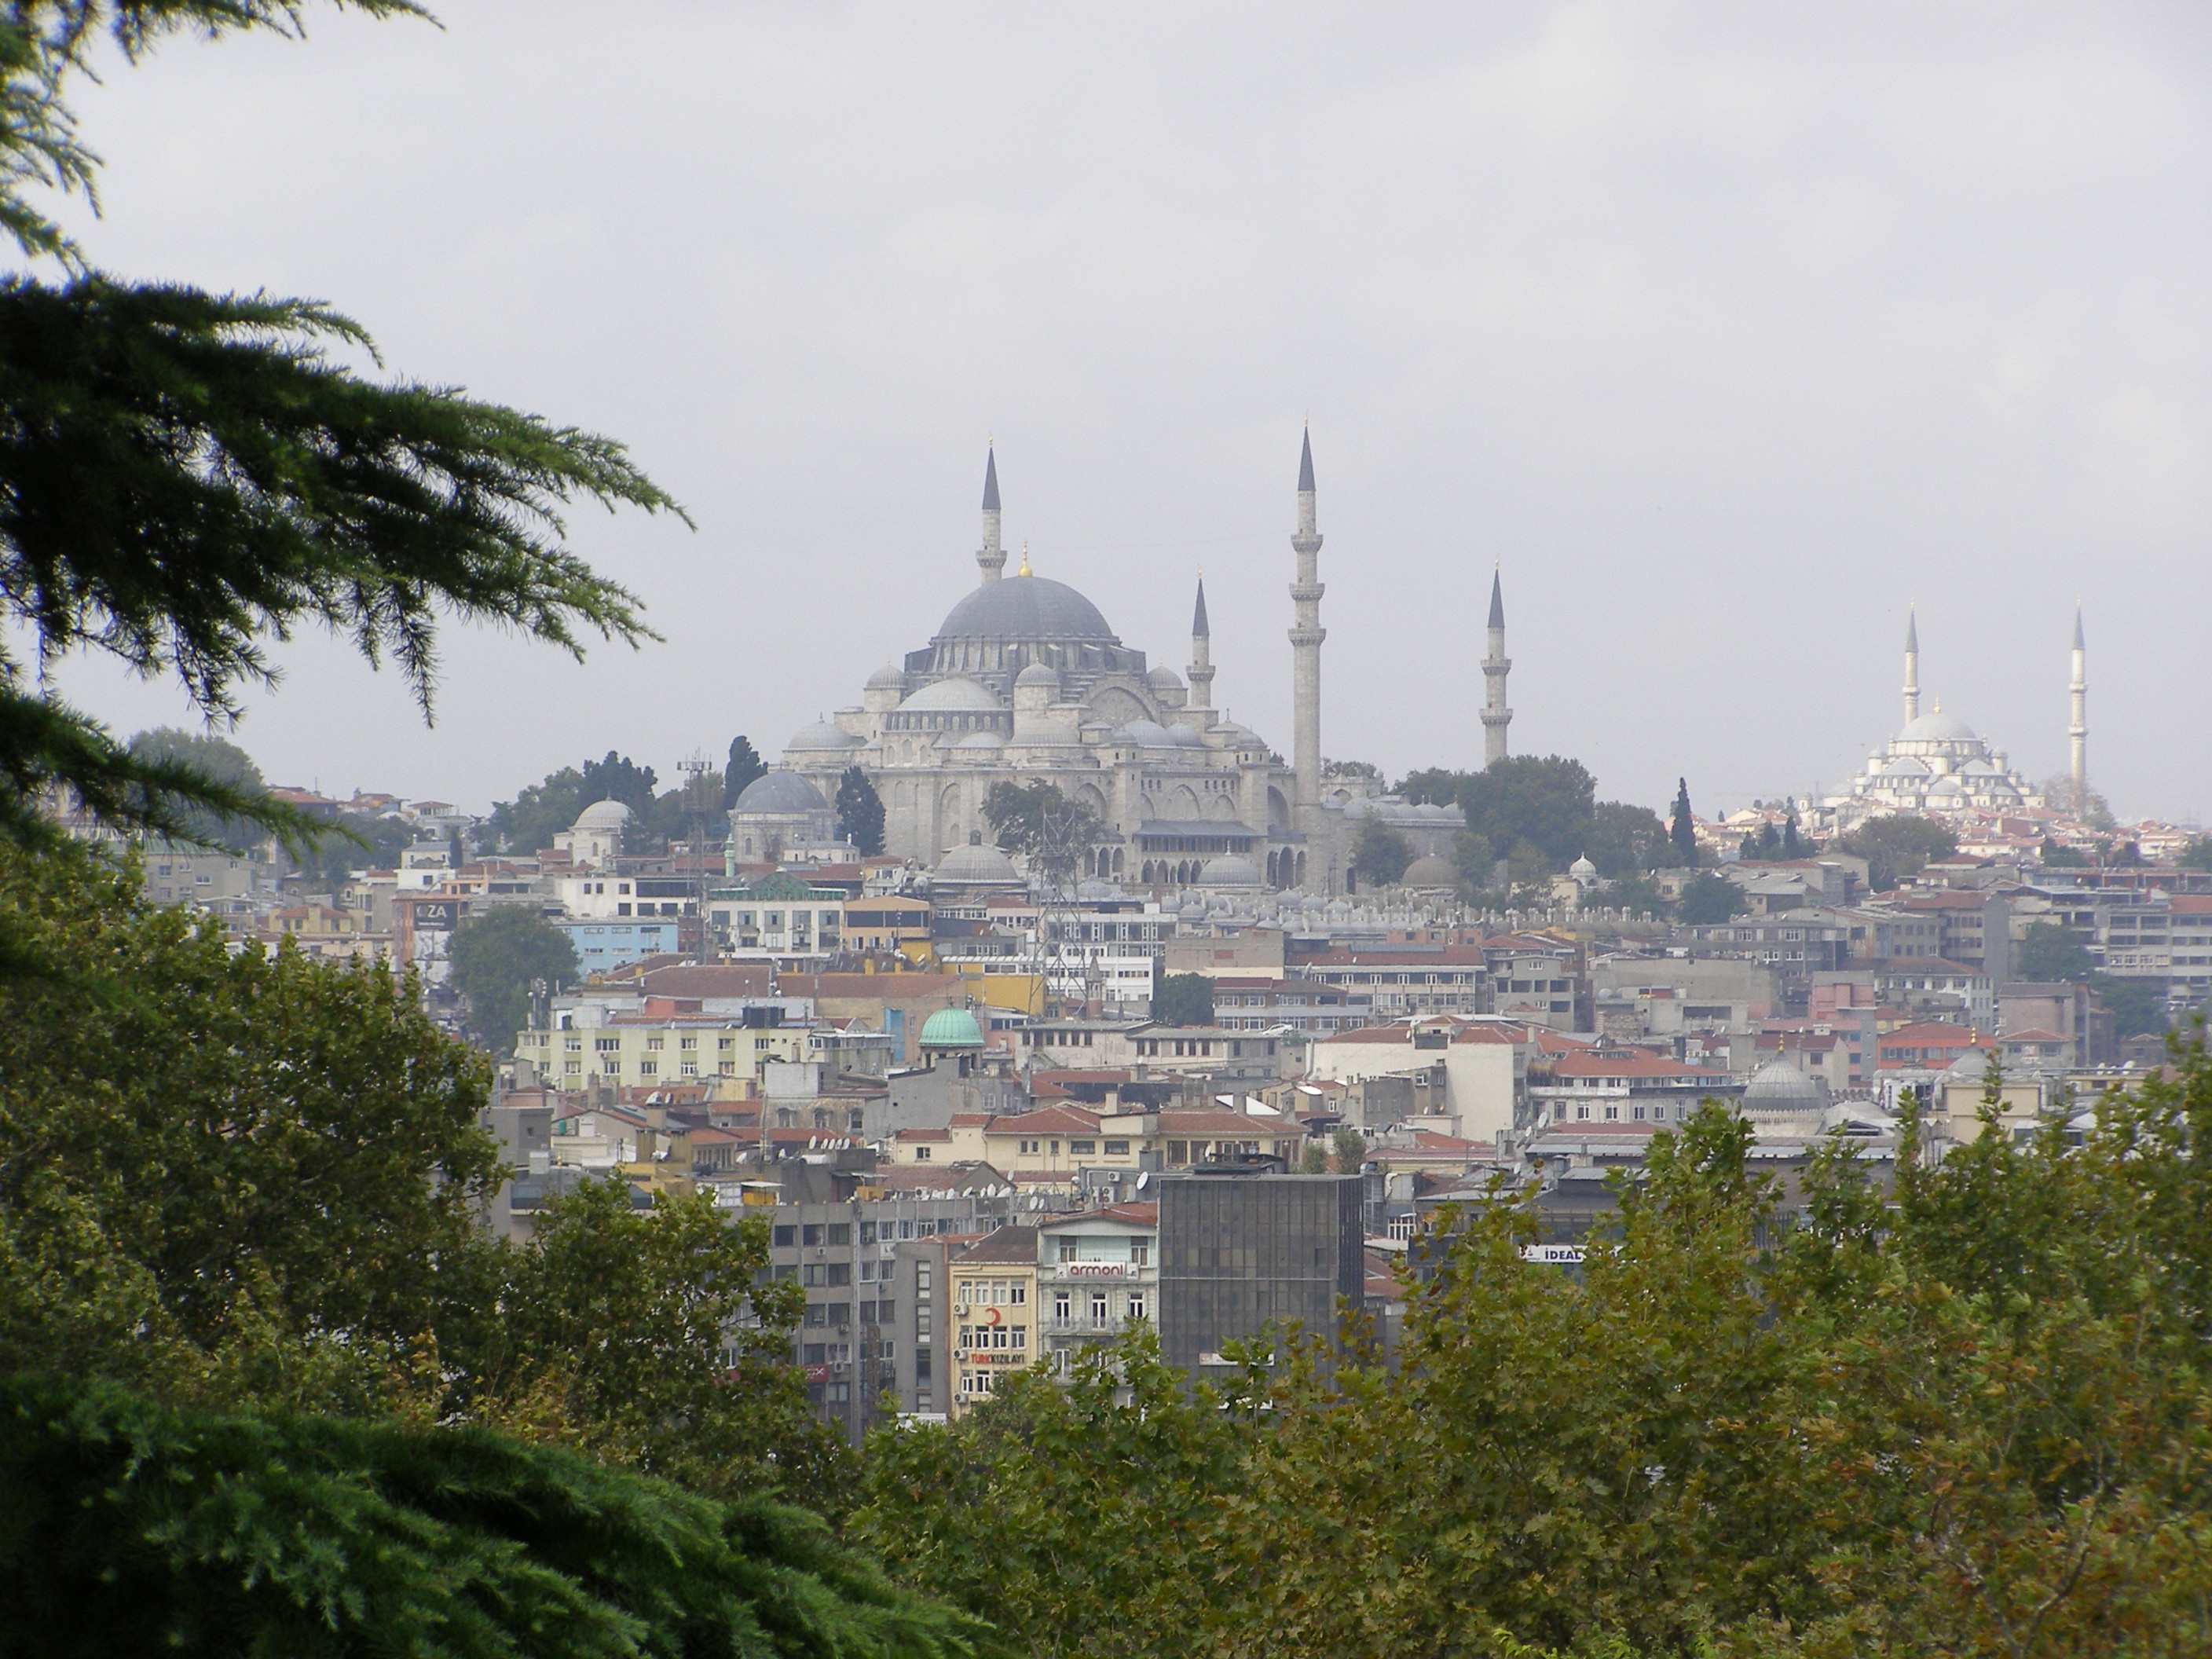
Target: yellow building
<point>995,1331</point>
<point>640,1052</point>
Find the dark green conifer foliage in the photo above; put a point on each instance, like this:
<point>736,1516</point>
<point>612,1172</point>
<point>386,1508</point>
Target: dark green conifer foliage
<point>184,475</point>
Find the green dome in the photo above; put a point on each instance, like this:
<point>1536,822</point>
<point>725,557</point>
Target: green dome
<point>951,1027</point>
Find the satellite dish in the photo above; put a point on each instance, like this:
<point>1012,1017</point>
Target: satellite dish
<point>1142,1178</point>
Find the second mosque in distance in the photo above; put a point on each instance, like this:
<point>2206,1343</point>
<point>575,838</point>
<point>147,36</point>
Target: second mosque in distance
<point>1024,681</point>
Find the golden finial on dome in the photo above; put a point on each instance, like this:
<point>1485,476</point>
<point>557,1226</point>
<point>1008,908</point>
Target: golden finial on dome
<point>1024,570</point>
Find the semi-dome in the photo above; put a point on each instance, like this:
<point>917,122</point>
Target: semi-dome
<point>1147,734</point>
<point>1780,1086</point>
<point>958,695</point>
<point>982,741</point>
<point>822,735</point>
<point>1229,871</point>
<point>951,1027</point>
<point>781,792</point>
<point>602,815</point>
<point>1025,608</point>
<point>977,863</point>
<point>1430,872</point>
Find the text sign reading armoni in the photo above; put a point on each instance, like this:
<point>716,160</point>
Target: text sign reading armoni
<point>1552,1256</point>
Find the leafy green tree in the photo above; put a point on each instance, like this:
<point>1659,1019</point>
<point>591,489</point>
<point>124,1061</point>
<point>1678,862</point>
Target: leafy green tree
<point>2061,858</point>
<point>211,757</point>
<point>654,1339</point>
<point>1042,825</point>
<point>1314,1160</point>
<point>137,1529</point>
<point>1639,895</point>
<point>1625,840</point>
<point>618,778</point>
<point>495,955</point>
<point>860,812</point>
<point>2196,855</point>
<point>1897,848</point>
<point>1184,1000</point>
<point>1682,828</point>
<point>2136,1008</point>
<point>1380,853</point>
<point>184,473</point>
<point>1473,857</point>
<point>528,824</point>
<point>2051,952</point>
<point>354,840</point>
<point>1350,1152</point>
<point>243,1174</point>
<point>1549,803</point>
<point>1709,898</point>
<point>744,767</point>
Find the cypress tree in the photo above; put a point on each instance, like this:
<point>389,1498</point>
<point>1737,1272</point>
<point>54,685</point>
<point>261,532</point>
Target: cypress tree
<point>1682,831</point>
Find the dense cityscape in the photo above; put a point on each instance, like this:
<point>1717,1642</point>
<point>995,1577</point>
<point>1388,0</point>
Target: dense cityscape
<point>984,988</point>
<point>1490,1159</point>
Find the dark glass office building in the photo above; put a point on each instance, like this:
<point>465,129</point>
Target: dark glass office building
<point>1239,1253</point>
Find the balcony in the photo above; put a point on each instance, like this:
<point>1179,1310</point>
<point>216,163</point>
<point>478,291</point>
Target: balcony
<point>1083,1327</point>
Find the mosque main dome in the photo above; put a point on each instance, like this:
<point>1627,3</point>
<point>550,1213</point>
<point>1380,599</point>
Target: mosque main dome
<point>1028,609</point>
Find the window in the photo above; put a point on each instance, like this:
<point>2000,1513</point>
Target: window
<point>687,1042</point>
<point>647,1067</point>
<point>811,1273</point>
<point>1098,1308</point>
<point>607,1045</point>
<point>840,1232</point>
<point>841,1273</point>
<point>655,1042</point>
<point>1140,1250</point>
<point>1136,1304</point>
<point>921,1154</point>
<point>1060,1307</point>
<point>1082,1148</point>
<point>811,1234</point>
<point>785,1238</point>
<point>1117,1149</point>
<point>868,1235</point>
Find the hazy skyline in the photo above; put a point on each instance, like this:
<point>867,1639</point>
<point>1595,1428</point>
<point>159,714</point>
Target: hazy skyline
<point>1728,332</point>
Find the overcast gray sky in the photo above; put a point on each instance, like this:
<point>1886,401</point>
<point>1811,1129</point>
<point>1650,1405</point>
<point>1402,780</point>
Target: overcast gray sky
<point>1730,329</point>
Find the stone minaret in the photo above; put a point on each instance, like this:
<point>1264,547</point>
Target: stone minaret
<point>1911,668</point>
<point>1201,654</point>
<point>1496,716</point>
<point>1306,637</point>
<point>2077,730</point>
<point>992,558</point>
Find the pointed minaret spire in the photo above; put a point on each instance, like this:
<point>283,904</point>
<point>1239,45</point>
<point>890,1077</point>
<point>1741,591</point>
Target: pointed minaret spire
<point>1911,666</point>
<point>991,558</point>
<point>2077,729</point>
<point>1306,635</point>
<point>1496,716</point>
<point>1202,652</point>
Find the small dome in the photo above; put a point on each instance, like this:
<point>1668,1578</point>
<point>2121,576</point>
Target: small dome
<point>1583,870</point>
<point>822,735</point>
<point>1946,787</point>
<point>1038,673</point>
<point>1780,1086</point>
<point>982,741</point>
<point>1229,870</point>
<point>977,863</point>
<point>781,792</point>
<point>1186,736</point>
<point>889,678</point>
<point>1905,767</point>
<point>1164,678</point>
<point>1430,872</point>
<point>951,1027</point>
<point>603,815</point>
<point>957,694</point>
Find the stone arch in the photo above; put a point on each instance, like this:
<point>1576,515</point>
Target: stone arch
<point>1278,809</point>
<point>1118,705</point>
<point>1117,860</point>
<point>1221,807</point>
<point>1183,803</point>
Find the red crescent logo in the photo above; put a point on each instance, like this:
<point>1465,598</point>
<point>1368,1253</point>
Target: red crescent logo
<point>990,1316</point>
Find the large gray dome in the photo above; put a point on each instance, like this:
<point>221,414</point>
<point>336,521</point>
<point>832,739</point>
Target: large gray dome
<point>1025,608</point>
<point>781,792</point>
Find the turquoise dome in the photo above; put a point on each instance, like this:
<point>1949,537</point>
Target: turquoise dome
<point>951,1027</point>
